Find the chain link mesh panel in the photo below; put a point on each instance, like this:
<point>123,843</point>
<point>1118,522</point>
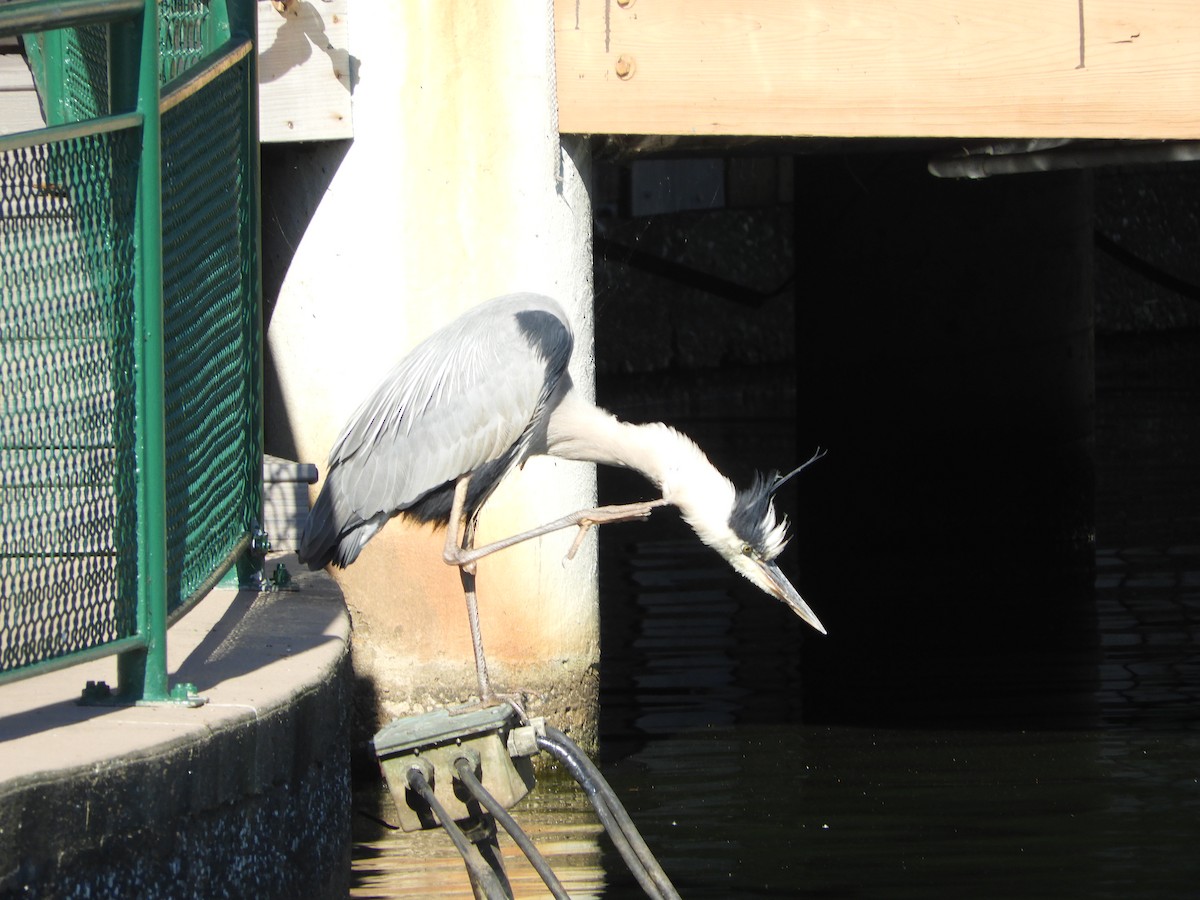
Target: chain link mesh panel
<point>71,71</point>
<point>182,31</point>
<point>71,66</point>
<point>68,551</point>
<point>85,89</point>
<point>69,509</point>
<point>211,338</point>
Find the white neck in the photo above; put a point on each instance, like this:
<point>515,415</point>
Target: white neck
<point>580,430</point>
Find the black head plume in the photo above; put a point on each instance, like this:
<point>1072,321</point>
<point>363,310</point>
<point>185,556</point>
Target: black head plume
<point>753,516</point>
<point>781,480</point>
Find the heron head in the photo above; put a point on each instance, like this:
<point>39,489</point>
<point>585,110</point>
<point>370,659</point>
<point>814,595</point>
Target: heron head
<point>757,537</point>
<point>740,525</point>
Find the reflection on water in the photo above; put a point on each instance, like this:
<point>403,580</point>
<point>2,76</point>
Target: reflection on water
<point>424,864</point>
<point>1068,773</point>
<point>784,811</point>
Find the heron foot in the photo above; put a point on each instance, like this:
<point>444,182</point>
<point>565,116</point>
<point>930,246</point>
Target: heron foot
<point>604,515</point>
<point>584,520</point>
<point>518,701</point>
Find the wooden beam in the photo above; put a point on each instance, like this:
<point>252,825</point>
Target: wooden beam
<point>19,109</point>
<point>304,71</point>
<point>880,68</point>
<point>14,73</point>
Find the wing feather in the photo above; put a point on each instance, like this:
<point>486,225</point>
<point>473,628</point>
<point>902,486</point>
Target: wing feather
<point>464,397</point>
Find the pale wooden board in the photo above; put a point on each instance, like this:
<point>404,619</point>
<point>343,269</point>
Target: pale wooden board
<point>888,68</point>
<point>304,72</point>
<point>19,110</point>
<point>14,73</point>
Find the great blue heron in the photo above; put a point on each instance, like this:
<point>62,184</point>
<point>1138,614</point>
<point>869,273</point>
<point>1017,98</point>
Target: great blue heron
<point>479,397</point>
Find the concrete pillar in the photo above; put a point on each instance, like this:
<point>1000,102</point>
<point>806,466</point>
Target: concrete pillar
<point>455,189</point>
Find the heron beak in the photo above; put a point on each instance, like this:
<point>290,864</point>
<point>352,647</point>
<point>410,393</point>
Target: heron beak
<point>779,586</point>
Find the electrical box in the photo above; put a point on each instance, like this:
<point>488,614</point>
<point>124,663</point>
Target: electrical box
<point>440,737</point>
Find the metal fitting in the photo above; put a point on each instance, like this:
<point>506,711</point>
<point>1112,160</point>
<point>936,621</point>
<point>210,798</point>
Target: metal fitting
<point>522,741</point>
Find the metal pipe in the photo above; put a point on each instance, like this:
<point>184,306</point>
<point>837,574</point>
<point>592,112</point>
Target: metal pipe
<point>983,164</point>
<point>481,874</point>
<point>464,767</point>
<point>144,676</point>
<point>26,16</point>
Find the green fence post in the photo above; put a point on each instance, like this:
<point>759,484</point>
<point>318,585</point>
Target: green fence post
<point>243,20</point>
<point>45,52</point>
<point>143,673</point>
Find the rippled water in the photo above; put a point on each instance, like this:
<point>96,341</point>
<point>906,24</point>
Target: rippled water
<point>1069,768</point>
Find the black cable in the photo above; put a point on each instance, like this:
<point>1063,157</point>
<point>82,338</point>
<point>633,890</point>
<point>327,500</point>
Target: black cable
<point>1186,289</point>
<point>620,827</point>
<point>481,873</point>
<point>684,275</point>
<point>626,823</point>
<point>604,813</point>
<point>466,774</point>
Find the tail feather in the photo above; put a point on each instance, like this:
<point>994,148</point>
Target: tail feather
<point>320,537</point>
<point>332,535</point>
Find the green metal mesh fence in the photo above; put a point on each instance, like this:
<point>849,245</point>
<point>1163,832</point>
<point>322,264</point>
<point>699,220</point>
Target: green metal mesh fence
<point>211,333</point>
<point>85,91</point>
<point>186,34</point>
<point>70,422</point>
<point>72,66</point>
<point>68,561</point>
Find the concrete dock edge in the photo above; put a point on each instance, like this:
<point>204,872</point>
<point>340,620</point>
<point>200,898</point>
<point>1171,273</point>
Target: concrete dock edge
<point>245,796</point>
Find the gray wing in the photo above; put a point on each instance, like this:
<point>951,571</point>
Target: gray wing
<point>462,398</point>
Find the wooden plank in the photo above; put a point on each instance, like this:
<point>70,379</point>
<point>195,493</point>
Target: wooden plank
<point>304,71</point>
<point>14,73</point>
<point>19,109</point>
<point>886,68</point>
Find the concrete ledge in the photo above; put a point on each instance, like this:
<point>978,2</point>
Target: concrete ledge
<point>248,795</point>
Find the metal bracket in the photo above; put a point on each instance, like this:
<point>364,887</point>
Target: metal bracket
<point>281,579</point>
<point>98,693</point>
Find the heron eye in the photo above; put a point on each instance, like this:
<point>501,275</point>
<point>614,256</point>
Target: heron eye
<point>747,550</point>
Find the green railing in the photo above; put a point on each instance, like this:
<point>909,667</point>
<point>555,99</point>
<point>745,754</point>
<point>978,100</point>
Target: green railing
<point>130,335</point>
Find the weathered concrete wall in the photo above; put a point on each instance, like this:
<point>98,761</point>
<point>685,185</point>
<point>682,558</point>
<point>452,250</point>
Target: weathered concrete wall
<point>245,796</point>
<point>455,189</point>
<point>254,811</point>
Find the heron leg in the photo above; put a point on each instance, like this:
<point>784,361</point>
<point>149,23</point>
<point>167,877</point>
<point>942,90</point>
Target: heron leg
<point>465,554</point>
<point>454,552</point>
<point>466,570</point>
<point>467,574</point>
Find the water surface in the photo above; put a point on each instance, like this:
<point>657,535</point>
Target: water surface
<point>1054,756</point>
